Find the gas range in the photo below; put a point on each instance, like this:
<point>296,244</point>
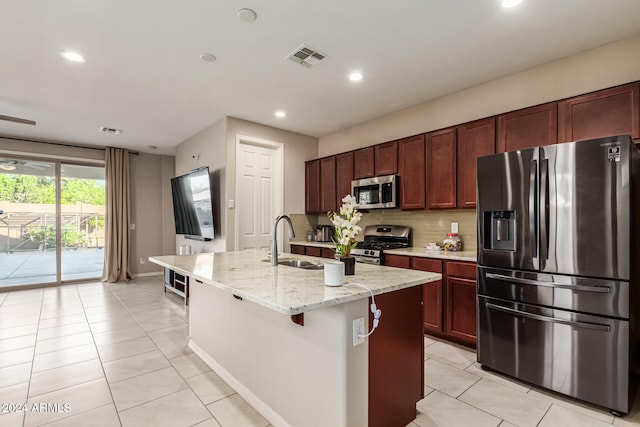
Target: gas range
<point>377,239</point>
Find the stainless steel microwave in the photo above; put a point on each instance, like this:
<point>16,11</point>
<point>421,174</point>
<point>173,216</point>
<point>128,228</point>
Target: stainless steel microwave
<point>376,193</point>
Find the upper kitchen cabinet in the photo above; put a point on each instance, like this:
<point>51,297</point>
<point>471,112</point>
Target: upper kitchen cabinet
<point>328,198</point>
<point>386,158</point>
<point>475,139</point>
<point>411,161</point>
<point>363,164</point>
<point>312,187</point>
<point>344,175</point>
<point>527,128</point>
<point>607,112</point>
<point>441,169</point>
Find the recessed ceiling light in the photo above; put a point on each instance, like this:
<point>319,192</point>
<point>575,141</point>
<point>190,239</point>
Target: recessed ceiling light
<point>280,114</point>
<point>72,56</point>
<point>247,15</point>
<point>356,76</point>
<point>152,147</point>
<point>8,167</point>
<point>510,3</point>
<point>207,57</point>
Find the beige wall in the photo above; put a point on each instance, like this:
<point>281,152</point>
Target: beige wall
<point>217,148</point>
<point>150,196</point>
<point>607,66</point>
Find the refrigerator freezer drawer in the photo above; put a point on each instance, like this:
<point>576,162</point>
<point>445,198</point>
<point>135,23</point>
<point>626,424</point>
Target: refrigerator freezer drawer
<point>582,356</point>
<point>585,295</point>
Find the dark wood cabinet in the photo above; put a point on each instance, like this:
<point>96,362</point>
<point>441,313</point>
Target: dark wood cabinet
<point>386,158</point>
<point>313,251</point>
<point>344,175</point>
<point>431,294</point>
<point>312,187</point>
<point>399,261</point>
<point>607,112</point>
<point>363,163</point>
<point>411,169</point>
<point>475,139</point>
<point>441,169</point>
<point>328,253</point>
<point>328,198</point>
<point>297,249</point>
<point>528,128</point>
<point>460,300</point>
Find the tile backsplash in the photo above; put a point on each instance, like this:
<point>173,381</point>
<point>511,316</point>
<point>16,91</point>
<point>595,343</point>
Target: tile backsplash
<point>427,226</point>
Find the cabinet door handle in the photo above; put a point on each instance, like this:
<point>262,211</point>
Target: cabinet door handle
<point>515,312</point>
<point>521,280</point>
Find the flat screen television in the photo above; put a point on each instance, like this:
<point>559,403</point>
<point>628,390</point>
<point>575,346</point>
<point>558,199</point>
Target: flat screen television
<point>192,207</point>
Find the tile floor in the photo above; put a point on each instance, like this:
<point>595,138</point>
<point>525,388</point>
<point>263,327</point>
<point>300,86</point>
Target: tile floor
<point>101,354</point>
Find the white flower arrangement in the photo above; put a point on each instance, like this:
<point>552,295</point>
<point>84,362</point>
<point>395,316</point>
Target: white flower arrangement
<point>346,226</point>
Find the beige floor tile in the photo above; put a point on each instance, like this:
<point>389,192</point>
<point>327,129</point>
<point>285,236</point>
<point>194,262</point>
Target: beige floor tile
<point>14,394</point>
<point>17,343</point>
<point>16,374</point>
<point>132,366</point>
<point>113,325</point>
<point>171,334</point>
<point>161,322</point>
<point>209,387</point>
<point>62,320</point>
<point>173,349</point>
<point>16,357</point>
<point>560,416</point>
<point>507,424</point>
<point>79,398</point>
<point>60,343</point>
<point>65,376</point>
<point>189,365</point>
<point>13,321</point>
<point>61,331</point>
<point>12,419</point>
<point>50,312</point>
<point>428,391</point>
<point>67,356</point>
<point>446,378</point>
<point>20,331</point>
<point>438,409</point>
<point>428,341</point>
<point>450,354</point>
<point>180,409</point>
<point>119,335</point>
<point>234,411</point>
<point>123,349</point>
<point>147,387</point>
<point>211,422</point>
<point>502,379</point>
<point>104,416</point>
<point>573,404</point>
<point>107,316</point>
<point>506,403</point>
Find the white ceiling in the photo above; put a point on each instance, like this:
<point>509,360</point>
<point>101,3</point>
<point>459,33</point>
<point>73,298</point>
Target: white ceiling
<point>143,72</point>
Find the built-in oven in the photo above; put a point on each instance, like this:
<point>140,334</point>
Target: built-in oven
<point>376,193</point>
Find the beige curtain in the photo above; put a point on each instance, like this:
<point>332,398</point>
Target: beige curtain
<point>116,254</point>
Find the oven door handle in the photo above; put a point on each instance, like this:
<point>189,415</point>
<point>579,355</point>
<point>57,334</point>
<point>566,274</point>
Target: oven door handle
<point>503,278</point>
<point>514,312</point>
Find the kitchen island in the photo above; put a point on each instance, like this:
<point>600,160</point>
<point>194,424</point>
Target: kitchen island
<point>307,372</point>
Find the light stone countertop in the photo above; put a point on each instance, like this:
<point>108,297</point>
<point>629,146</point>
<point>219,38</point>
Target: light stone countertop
<point>288,290</point>
<point>312,243</point>
<point>470,256</point>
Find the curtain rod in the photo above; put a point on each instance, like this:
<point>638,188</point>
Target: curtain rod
<point>62,144</point>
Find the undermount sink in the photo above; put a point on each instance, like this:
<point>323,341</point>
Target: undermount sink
<point>298,263</point>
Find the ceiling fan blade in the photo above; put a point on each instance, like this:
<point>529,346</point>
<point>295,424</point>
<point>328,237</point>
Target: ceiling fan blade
<point>17,120</point>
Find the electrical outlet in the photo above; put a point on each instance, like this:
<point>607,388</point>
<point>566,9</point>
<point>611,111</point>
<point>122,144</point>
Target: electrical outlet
<point>141,260</point>
<point>454,227</point>
<point>358,331</point>
<point>132,226</point>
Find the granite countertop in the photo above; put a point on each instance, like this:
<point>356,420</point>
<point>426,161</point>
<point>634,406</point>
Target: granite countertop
<point>288,290</point>
<point>312,243</point>
<point>470,256</point>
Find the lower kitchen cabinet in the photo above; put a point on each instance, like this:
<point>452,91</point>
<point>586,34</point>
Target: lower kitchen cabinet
<point>297,249</point>
<point>312,251</point>
<point>449,311</point>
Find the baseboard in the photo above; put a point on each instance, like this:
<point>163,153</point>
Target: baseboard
<point>153,273</point>
<point>265,410</point>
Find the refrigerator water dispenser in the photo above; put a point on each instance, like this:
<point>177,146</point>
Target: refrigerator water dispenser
<point>500,229</point>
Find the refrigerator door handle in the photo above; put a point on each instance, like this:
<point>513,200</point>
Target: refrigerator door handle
<point>544,206</point>
<point>515,312</point>
<point>532,210</point>
<point>501,277</point>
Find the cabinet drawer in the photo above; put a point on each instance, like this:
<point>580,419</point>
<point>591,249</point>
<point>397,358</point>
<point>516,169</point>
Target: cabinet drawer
<point>328,253</point>
<point>400,261</point>
<point>297,249</point>
<point>426,264</point>
<point>313,251</point>
<point>461,269</point>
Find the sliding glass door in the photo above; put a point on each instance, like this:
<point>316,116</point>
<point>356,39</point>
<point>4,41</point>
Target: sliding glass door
<point>51,222</point>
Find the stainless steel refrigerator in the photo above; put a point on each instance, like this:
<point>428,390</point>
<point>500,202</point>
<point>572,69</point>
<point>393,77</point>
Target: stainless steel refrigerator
<point>558,267</point>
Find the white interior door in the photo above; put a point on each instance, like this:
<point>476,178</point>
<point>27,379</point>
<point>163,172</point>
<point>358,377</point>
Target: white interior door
<point>259,193</point>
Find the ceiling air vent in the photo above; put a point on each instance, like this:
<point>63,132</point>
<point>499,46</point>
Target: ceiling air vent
<point>306,55</point>
<point>111,130</point>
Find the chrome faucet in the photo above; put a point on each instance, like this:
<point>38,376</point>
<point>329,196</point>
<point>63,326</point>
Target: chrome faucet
<point>274,240</point>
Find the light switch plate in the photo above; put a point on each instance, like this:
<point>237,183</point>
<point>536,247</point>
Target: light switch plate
<point>232,204</point>
<point>454,227</point>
